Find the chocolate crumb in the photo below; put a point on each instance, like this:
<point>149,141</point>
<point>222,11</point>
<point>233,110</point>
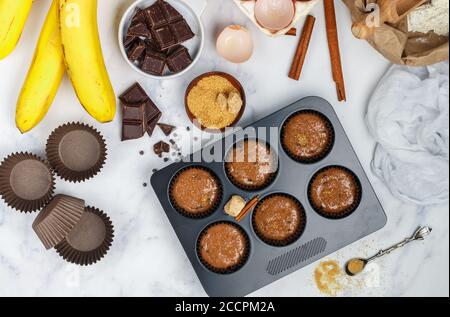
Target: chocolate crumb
<point>141,152</point>
<point>145,184</point>
<point>166,159</point>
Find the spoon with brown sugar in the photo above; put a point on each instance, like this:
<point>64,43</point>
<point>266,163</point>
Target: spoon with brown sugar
<point>357,265</point>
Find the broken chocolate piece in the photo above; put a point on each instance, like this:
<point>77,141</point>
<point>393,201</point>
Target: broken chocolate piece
<point>161,147</point>
<point>132,131</point>
<point>134,95</point>
<point>151,111</point>
<point>139,17</point>
<point>136,51</point>
<point>129,39</point>
<point>139,29</point>
<point>155,15</point>
<point>133,113</point>
<point>167,129</point>
<point>154,63</point>
<point>152,124</point>
<point>182,31</point>
<point>179,60</point>
<point>171,13</point>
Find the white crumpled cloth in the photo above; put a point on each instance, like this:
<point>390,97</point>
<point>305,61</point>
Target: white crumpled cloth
<point>408,115</point>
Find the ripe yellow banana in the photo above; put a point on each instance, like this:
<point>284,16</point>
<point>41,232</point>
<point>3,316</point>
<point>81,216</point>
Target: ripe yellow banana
<point>45,74</point>
<point>84,59</point>
<point>13,15</point>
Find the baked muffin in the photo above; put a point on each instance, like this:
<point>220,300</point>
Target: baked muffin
<point>279,219</point>
<point>195,192</point>
<point>223,247</point>
<point>307,136</point>
<point>251,165</point>
<point>335,192</point>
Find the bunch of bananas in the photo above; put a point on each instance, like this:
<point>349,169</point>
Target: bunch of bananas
<point>69,41</point>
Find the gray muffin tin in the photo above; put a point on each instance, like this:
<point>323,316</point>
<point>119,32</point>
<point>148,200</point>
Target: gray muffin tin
<point>321,236</point>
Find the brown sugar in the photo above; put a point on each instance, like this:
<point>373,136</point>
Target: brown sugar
<point>202,102</point>
<point>356,266</point>
<point>327,277</point>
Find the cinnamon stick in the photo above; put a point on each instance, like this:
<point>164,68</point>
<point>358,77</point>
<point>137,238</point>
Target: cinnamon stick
<point>333,45</point>
<point>302,48</point>
<point>252,203</point>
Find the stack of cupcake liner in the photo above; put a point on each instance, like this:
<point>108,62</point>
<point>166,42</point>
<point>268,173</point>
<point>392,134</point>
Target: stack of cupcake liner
<point>76,152</point>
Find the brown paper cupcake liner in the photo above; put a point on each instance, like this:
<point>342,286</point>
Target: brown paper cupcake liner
<point>294,237</point>
<point>57,219</point>
<point>250,188</point>
<point>234,268</point>
<point>200,215</point>
<point>71,255</point>
<point>313,159</point>
<point>336,215</point>
<point>7,192</point>
<point>52,150</point>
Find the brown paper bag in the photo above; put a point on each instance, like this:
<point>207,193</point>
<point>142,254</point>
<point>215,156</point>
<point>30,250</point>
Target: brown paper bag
<point>402,47</point>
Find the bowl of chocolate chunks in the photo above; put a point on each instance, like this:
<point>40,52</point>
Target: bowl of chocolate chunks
<point>162,39</point>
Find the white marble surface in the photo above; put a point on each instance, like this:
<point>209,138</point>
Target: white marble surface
<point>146,258</point>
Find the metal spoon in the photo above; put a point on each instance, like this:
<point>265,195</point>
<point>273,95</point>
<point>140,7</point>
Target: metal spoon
<point>357,265</point>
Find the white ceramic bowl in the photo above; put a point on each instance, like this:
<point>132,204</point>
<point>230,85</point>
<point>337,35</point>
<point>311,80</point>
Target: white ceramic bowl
<point>191,11</point>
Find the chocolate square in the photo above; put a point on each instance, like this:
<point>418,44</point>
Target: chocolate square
<point>179,59</point>
<point>136,51</point>
<point>132,131</point>
<point>171,13</point>
<point>134,95</point>
<point>139,16</point>
<point>155,15</point>
<point>133,113</point>
<point>151,111</point>
<point>164,37</point>
<point>154,63</point>
<point>139,29</point>
<point>182,31</point>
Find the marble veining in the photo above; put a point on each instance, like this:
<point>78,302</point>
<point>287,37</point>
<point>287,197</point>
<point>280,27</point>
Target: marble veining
<point>146,258</point>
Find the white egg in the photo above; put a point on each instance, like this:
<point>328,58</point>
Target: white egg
<point>274,15</point>
<point>235,44</point>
